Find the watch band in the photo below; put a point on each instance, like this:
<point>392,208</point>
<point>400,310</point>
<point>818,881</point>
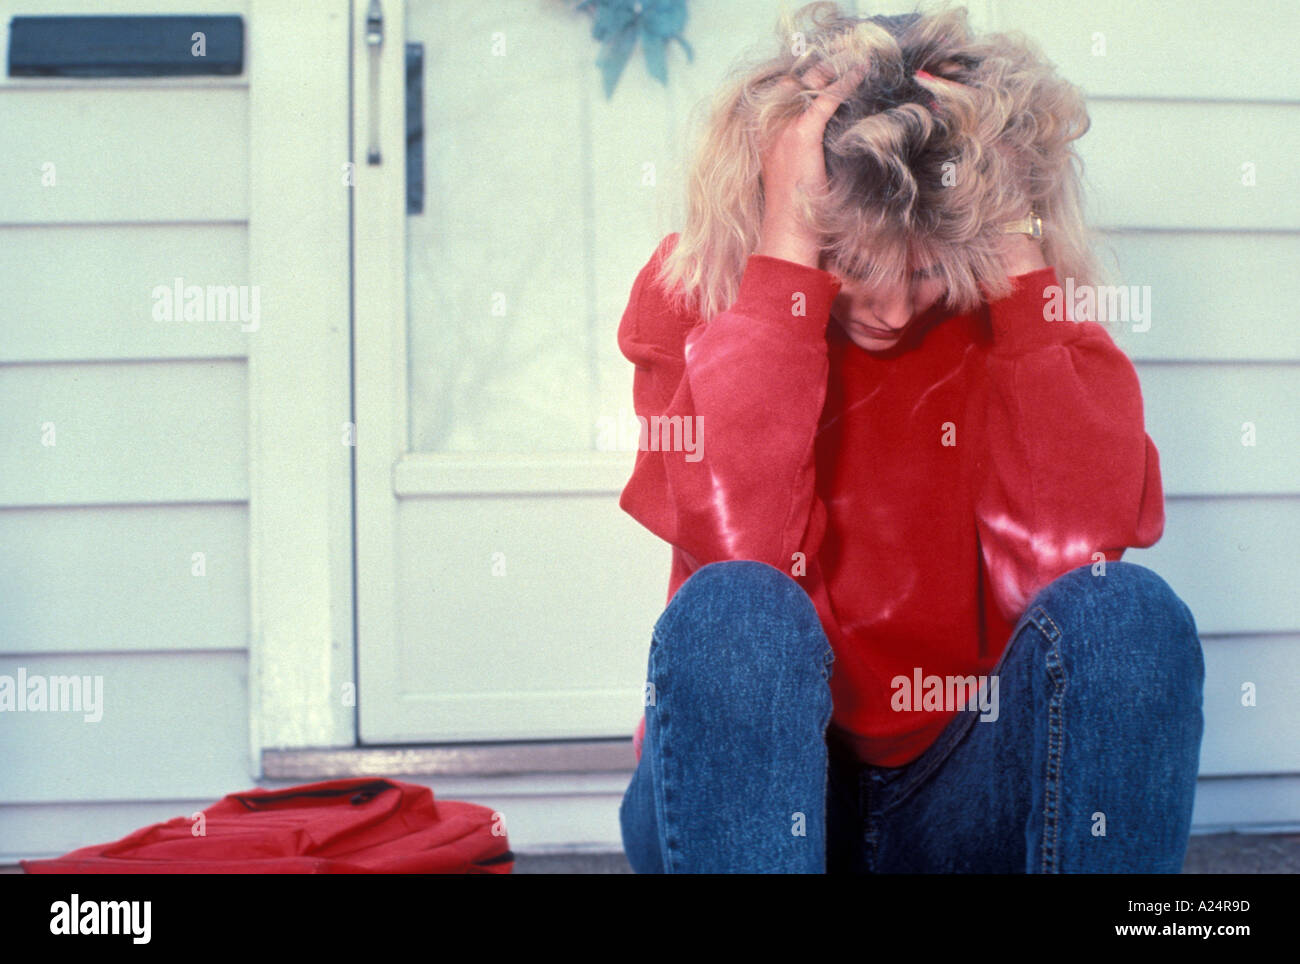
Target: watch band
<point>1031,225</point>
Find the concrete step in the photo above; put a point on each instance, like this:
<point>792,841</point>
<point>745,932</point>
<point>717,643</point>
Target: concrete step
<point>1224,853</point>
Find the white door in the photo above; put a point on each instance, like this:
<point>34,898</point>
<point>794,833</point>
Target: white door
<point>501,592</point>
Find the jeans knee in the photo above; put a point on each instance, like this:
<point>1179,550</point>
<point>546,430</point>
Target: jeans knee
<point>760,602</point>
<point>1152,599</point>
<point>1129,602</point>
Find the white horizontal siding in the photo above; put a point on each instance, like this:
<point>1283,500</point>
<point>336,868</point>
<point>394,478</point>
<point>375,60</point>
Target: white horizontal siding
<point>98,533</point>
<point>1255,736</point>
<point>1198,416</point>
<point>1232,560</point>
<point>130,154</point>
<point>124,432</point>
<point>174,725</point>
<point>77,292</point>
<point>1193,49</point>
<point>1246,803</point>
<point>1215,296</point>
<point>1168,164</point>
<point>37,830</point>
<point>124,579</point>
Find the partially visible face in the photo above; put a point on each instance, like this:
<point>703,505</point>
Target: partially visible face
<point>875,319</point>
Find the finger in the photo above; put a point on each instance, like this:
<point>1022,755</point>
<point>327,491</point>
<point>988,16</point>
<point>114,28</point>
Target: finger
<point>830,98</point>
<point>840,87</point>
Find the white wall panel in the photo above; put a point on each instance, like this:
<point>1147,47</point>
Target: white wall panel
<point>1166,164</point>
<point>1198,49</point>
<point>110,579</point>
<point>173,726</point>
<point>1201,416</point>
<point>127,154</point>
<point>78,292</point>
<point>1215,296</point>
<point>1232,560</point>
<point>150,432</point>
<point>1250,729</point>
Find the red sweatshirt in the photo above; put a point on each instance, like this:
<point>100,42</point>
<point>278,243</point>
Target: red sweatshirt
<point>920,497</point>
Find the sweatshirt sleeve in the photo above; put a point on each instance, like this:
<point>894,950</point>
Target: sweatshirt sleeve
<point>747,390</point>
<point>1068,469</point>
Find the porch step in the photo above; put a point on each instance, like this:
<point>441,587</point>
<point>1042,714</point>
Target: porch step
<point>1220,853</point>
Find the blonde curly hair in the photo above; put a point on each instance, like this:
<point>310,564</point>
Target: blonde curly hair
<point>949,136</point>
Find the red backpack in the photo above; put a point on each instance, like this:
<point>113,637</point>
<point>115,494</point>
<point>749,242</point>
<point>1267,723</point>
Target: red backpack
<point>364,825</point>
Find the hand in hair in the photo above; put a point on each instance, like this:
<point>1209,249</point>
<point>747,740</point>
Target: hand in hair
<point>796,157</point>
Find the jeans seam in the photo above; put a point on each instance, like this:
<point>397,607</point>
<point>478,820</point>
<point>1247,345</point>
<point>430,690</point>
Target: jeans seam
<point>951,738</point>
<point>870,823</point>
<point>661,783</point>
<point>1050,848</point>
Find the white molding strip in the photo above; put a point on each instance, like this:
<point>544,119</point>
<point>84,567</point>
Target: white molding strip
<point>423,474</point>
<point>460,760</point>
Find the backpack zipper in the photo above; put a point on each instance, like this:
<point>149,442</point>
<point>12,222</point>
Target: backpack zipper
<point>362,793</point>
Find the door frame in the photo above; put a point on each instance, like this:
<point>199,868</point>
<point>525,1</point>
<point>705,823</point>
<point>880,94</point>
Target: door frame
<point>379,321</point>
<point>301,643</point>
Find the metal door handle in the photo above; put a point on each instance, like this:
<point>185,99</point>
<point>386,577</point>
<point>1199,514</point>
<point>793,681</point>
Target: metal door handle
<point>375,41</point>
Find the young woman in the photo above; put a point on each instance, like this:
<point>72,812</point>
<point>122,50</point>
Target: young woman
<point>899,635</point>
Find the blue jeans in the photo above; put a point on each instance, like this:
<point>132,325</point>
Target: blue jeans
<point>1089,767</point>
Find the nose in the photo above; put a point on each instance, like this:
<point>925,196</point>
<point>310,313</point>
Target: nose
<point>892,311</point>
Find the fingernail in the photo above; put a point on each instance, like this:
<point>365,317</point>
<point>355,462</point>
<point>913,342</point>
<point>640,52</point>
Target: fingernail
<point>925,74</point>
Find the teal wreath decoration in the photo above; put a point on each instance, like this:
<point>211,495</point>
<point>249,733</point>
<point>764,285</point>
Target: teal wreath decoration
<point>618,23</point>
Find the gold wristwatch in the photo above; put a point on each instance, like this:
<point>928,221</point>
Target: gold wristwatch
<point>1031,225</point>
